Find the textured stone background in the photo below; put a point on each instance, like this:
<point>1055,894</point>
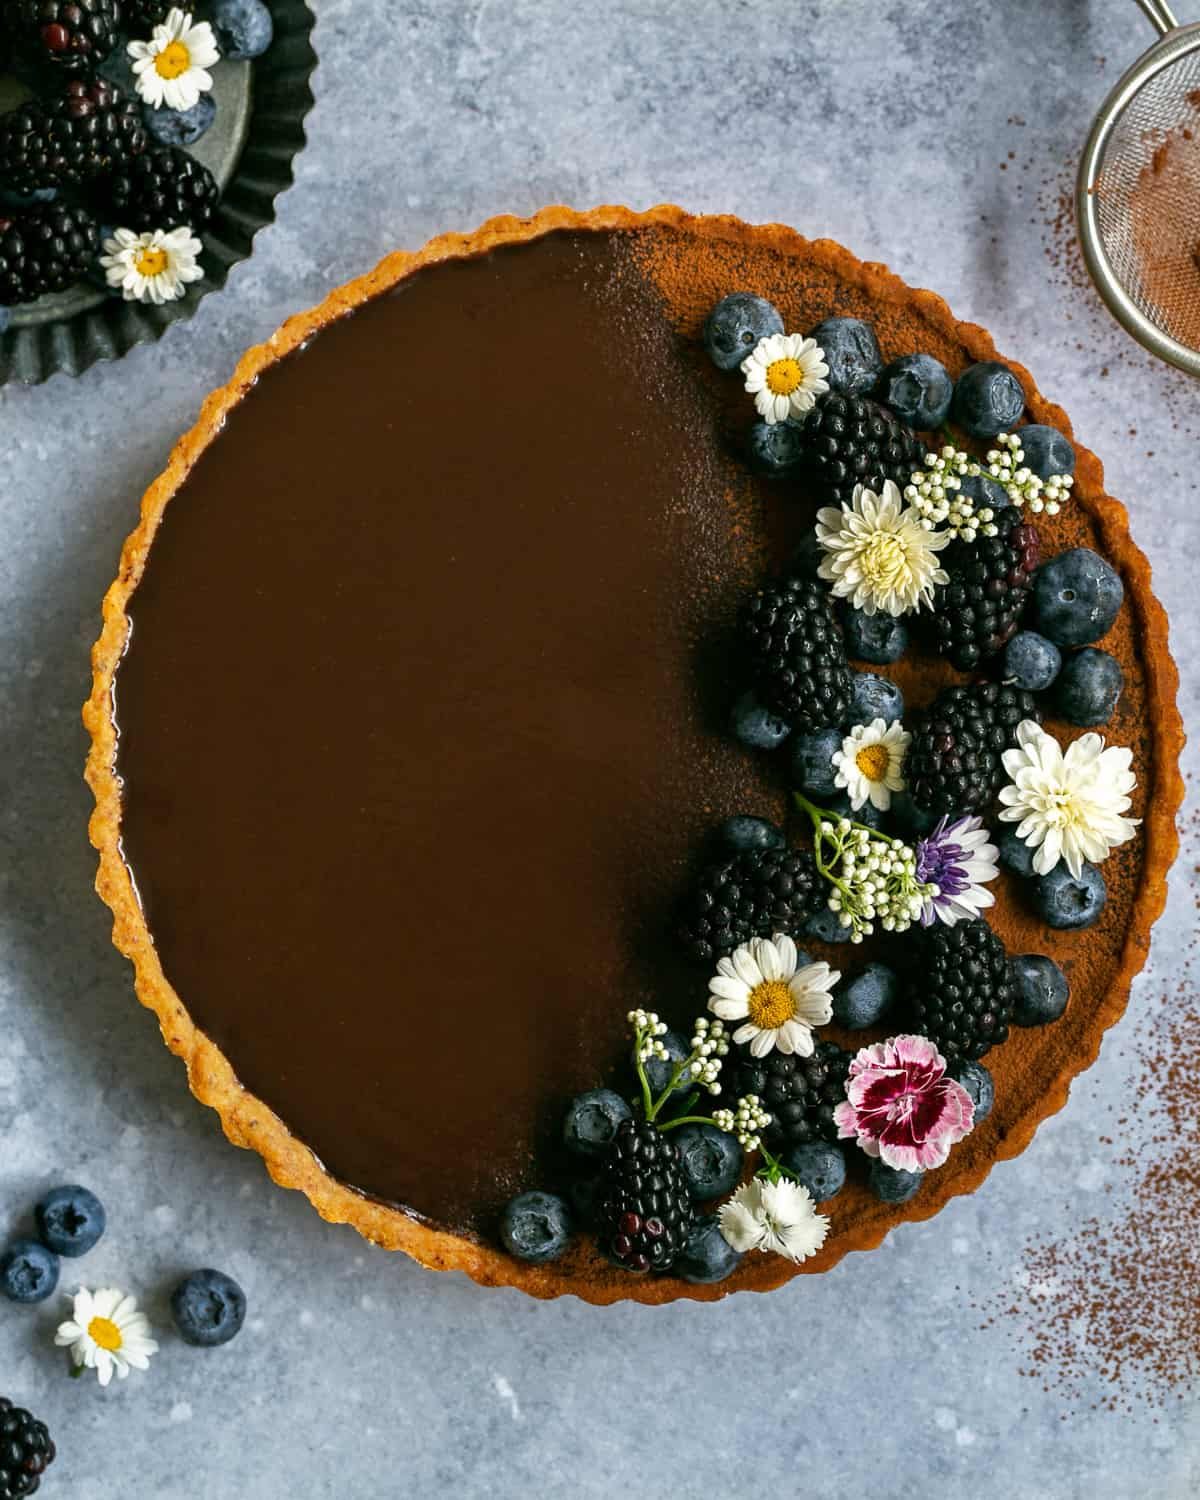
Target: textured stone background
<point>936,137</point>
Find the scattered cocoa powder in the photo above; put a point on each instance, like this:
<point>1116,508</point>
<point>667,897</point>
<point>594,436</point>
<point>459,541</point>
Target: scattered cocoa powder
<point>1109,1316</point>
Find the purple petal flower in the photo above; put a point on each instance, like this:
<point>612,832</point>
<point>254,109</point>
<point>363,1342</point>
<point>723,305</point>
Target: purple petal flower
<point>955,862</point>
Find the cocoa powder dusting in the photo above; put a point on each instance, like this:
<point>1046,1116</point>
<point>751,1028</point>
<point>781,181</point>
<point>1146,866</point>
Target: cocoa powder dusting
<point>1109,1317</point>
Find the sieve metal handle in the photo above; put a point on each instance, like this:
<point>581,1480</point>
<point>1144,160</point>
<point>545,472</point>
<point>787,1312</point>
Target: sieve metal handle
<point>1160,15</point>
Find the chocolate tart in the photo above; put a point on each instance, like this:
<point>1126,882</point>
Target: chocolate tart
<point>408,715</point>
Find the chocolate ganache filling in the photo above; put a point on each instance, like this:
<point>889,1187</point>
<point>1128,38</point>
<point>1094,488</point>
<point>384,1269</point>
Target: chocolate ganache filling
<point>422,715</point>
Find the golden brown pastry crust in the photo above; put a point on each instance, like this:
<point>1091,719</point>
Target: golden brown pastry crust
<point>248,1122</point>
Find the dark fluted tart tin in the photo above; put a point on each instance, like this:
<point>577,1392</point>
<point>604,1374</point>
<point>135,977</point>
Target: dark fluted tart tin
<point>250,149</point>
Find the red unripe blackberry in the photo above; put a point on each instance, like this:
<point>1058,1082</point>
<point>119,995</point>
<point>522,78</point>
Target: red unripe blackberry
<point>73,36</point>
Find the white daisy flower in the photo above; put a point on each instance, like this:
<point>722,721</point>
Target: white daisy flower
<point>152,267</point>
<point>785,374</point>
<point>1068,805</point>
<point>106,1332</point>
<point>776,1216</point>
<point>760,984</point>
<point>879,554</point>
<point>870,764</point>
<point>172,67</point>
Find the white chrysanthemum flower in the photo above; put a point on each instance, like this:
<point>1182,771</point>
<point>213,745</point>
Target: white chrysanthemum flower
<point>1070,804</point>
<point>172,67</point>
<point>152,267</point>
<point>785,373</point>
<point>106,1332</point>
<point>879,555</point>
<point>760,984</point>
<point>777,1216</point>
<point>870,764</point>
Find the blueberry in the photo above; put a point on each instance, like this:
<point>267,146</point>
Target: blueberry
<point>9,199</point>
<point>979,1083</point>
<point>117,67</point>
<point>28,1271</point>
<point>988,399</point>
<point>984,491</point>
<point>864,1000</point>
<point>736,325</point>
<point>658,1070</point>
<point>821,1168</point>
<point>536,1226</point>
<point>1042,989</point>
<point>825,927</point>
<point>1076,597</point>
<point>909,817</point>
<point>1015,853</point>
<point>181,127</point>
<point>1046,451</point>
<point>757,726</point>
<point>743,832</point>
<point>707,1256</point>
<point>1089,687</point>
<point>891,1185</point>
<point>918,388</point>
<point>591,1121</point>
<point>209,1308</point>
<point>69,1220</point>
<point>1031,661</point>
<point>812,762</point>
<point>775,448</point>
<point>711,1160</point>
<point>874,697</point>
<point>244,28</point>
<point>807,557</point>
<point>878,638</point>
<point>1064,901</point>
<point>852,354</point>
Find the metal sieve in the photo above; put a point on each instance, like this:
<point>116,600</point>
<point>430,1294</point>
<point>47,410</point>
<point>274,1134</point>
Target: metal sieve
<point>1138,195</point>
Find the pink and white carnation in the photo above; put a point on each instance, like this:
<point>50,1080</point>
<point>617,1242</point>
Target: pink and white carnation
<point>901,1107</point>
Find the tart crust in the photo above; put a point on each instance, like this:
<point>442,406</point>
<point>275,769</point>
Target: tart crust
<point>249,1123</point>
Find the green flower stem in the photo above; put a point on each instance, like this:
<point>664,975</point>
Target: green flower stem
<point>690,1120</point>
<point>774,1168</point>
<point>676,1074</point>
<point>639,1037</point>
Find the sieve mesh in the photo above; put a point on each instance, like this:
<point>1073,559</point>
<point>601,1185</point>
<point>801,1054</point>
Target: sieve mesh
<point>1146,199</point>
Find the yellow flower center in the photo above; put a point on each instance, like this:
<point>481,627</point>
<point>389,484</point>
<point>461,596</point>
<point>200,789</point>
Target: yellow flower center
<point>151,261</point>
<point>771,1004</point>
<point>884,562</point>
<point>784,376</point>
<point>873,761</point>
<point>104,1331</point>
<point>173,61</point>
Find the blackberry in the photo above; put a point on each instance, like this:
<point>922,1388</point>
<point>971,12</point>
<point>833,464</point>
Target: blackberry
<point>25,1451</point>
<point>70,35</point>
<point>961,993</point>
<point>851,440</point>
<point>799,1093</point>
<point>140,17</point>
<point>954,761</point>
<point>644,1208</point>
<point>978,611</point>
<point>88,129</point>
<point>44,249</point>
<point>753,894</point>
<point>163,188</point>
<point>795,654</point>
